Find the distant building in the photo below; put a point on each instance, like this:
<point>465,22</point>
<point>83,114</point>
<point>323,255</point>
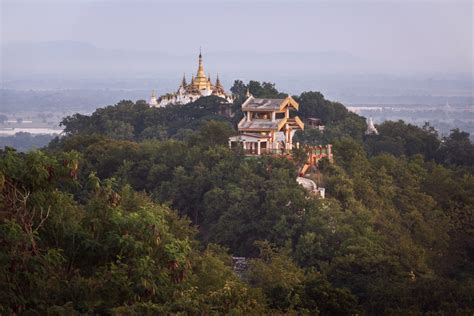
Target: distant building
<point>241,264</point>
<point>315,123</point>
<point>200,86</point>
<point>371,130</point>
<point>153,99</point>
<point>267,126</point>
<point>315,154</point>
<point>310,186</point>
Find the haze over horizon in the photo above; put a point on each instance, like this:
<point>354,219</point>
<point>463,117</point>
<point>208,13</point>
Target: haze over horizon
<point>370,37</point>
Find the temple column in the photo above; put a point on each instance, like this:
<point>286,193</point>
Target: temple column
<point>258,147</point>
<point>290,139</point>
<point>287,137</point>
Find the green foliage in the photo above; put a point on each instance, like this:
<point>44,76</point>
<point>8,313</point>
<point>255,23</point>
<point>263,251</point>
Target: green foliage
<point>289,289</point>
<point>457,150</point>
<point>313,104</point>
<point>22,141</point>
<point>277,275</point>
<point>117,253</point>
<point>265,90</point>
<point>239,89</point>
<point>257,89</point>
<point>398,138</point>
<point>130,212</point>
<point>338,121</point>
<point>138,121</point>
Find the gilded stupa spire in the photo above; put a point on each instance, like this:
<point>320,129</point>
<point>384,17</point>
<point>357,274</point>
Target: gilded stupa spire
<point>218,82</point>
<point>201,79</point>
<point>200,72</point>
<point>183,82</point>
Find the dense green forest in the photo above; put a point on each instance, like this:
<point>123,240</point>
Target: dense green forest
<point>25,141</point>
<point>139,210</point>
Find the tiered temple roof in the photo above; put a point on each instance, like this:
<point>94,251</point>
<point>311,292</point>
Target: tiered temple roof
<point>254,104</point>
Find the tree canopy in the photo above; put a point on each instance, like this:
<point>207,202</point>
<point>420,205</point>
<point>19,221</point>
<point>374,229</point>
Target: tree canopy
<point>138,210</point>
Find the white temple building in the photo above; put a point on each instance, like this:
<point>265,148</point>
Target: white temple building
<point>153,100</point>
<point>371,130</point>
<point>200,86</point>
<point>311,186</point>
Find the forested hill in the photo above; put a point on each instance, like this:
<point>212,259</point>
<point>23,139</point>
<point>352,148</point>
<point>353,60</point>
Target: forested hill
<point>137,210</point>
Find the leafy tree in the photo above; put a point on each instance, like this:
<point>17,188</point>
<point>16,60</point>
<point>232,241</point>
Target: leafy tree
<point>457,149</point>
<point>130,211</point>
<point>239,89</point>
<point>25,141</point>
<point>118,252</point>
<point>288,288</point>
<point>398,138</point>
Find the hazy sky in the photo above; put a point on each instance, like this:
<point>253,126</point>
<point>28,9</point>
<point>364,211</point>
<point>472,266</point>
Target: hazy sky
<point>402,34</point>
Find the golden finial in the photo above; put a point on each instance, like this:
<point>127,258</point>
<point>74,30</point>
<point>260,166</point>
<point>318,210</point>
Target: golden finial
<point>200,76</point>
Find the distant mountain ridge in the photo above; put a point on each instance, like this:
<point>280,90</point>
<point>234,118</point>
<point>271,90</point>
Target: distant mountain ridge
<point>79,58</point>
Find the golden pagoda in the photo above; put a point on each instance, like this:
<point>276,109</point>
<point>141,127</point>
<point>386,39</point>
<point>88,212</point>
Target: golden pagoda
<point>200,86</point>
<point>201,81</point>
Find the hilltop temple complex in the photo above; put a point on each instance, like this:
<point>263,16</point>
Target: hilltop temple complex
<point>200,86</point>
<point>268,127</point>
